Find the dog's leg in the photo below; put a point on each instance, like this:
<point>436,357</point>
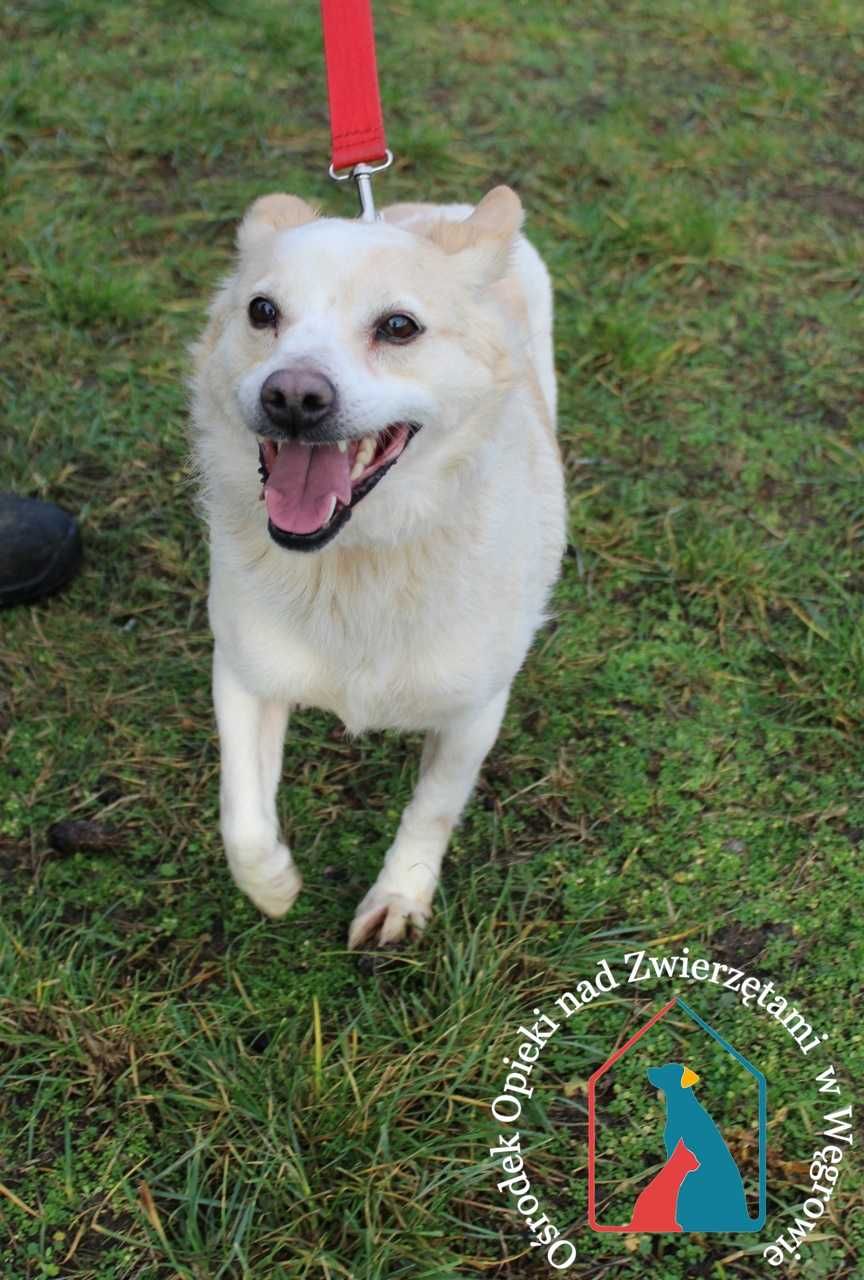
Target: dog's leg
<point>251,735</point>
<point>402,895</point>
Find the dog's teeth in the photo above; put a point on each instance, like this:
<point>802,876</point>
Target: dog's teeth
<point>367,449</point>
<point>342,446</point>
<point>363,456</point>
<point>332,509</point>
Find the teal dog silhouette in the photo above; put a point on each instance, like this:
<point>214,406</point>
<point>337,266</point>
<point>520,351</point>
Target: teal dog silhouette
<point>711,1198</point>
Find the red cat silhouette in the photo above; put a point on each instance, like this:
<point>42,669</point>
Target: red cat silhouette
<point>654,1209</point>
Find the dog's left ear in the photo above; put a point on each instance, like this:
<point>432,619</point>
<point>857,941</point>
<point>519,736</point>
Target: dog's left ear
<point>270,214</point>
<point>486,237</point>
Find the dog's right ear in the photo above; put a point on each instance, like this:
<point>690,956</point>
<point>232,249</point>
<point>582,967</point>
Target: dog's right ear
<point>270,214</point>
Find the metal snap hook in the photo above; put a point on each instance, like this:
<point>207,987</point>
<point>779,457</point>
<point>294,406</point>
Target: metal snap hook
<point>362,175</point>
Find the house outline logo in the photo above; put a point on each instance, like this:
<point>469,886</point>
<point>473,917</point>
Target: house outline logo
<point>714,1199</point>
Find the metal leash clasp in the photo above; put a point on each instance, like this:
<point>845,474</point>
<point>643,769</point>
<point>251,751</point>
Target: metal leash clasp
<point>362,175</point>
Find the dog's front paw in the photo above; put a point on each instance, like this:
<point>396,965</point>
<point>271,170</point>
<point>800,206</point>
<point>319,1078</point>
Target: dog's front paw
<point>384,917</point>
<point>272,882</point>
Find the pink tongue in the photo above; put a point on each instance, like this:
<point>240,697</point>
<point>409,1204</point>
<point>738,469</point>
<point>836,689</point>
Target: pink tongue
<point>302,483</point>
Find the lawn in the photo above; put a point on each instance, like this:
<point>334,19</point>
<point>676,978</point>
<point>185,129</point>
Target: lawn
<point>190,1091</point>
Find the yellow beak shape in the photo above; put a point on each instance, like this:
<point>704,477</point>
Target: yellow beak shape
<point>688,1077</point>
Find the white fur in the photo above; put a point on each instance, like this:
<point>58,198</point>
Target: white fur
<point>420,612</point>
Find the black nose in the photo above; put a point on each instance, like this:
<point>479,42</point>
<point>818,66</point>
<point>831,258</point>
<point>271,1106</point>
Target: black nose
<point>297,399</point>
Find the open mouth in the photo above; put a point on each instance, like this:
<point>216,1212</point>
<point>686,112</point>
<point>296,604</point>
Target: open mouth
<point>310,489</point>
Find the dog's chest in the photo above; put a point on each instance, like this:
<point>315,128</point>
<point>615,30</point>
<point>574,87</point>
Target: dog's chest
<point>388,677</point>
<point>379,653</point>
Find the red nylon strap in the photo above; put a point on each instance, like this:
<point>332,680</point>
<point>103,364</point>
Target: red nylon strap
<point>356,123</point>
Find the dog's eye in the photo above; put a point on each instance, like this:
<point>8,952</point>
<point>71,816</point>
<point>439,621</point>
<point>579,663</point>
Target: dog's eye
<point>263,314</point>
<point>397,328</point>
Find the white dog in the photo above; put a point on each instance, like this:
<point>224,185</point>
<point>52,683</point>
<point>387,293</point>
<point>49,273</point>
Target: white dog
<point>392,386</point>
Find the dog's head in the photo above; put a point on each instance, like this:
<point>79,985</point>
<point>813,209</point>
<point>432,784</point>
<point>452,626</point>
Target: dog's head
<point>343,348</point>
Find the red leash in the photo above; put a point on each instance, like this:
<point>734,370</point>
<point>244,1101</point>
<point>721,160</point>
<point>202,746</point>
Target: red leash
<point>356,123</point>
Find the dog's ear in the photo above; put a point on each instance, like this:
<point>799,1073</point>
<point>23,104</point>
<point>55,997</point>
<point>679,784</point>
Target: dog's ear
<point>487,236</point>
<point>270,214</point>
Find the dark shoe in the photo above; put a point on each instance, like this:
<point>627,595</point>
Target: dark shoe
<point>40,549</point>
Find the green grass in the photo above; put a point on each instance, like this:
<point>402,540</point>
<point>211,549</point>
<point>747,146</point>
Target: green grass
<point>187,1090</point>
